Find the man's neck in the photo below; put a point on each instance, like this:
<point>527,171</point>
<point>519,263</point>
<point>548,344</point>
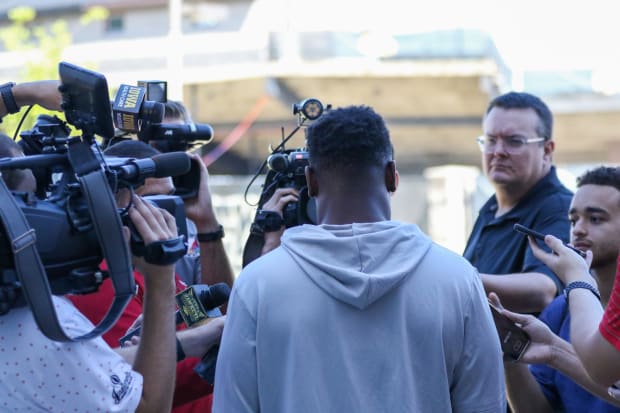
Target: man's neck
<point>345,209</point>
<point>508,198</point>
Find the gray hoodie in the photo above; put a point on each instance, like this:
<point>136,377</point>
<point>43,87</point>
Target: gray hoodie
<point>370,317</point>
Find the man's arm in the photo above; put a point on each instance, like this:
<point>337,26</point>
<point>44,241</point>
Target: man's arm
<point>545,348</point>
<point>43,92</point>
<point>155,358</point>
<point>195,341</point>
<point>214,263</point>
<point>524,393</point>
<point>599,357</point>
<point>521,292</point>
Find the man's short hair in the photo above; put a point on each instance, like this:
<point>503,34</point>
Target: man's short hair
<point>131,149</point>
<point>603,175</point>
<point>176,110</point>
<point>11,149</point>
<point>523,100</point>
<point>349,137</point>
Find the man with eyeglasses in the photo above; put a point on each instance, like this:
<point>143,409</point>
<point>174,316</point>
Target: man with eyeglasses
<point>517,148</point>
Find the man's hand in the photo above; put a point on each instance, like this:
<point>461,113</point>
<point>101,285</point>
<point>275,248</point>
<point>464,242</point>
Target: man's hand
<point>200,208</point>
<point>565,263</point>
<point>276,203</point>
<point>196,341</point>
<point>153,224</point>
<point>540,350</point>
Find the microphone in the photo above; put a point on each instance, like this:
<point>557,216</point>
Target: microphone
<point>196,304</point>
<point>159,166</point>
<point>130,108</point>
<point>200,302</point>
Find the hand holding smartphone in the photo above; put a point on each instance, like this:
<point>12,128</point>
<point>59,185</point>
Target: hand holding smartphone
<point>513,339</point>
<point>527,231</point>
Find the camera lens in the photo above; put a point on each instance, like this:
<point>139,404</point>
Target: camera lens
<point>277,162</point>
<point>152,112</point>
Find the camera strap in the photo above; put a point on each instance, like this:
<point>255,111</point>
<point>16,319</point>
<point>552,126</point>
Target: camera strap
<point>108,228</point>
<point>106,221</point>
<point>31,273</point>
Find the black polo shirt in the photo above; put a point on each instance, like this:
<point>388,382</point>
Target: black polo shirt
<point>495,248</point>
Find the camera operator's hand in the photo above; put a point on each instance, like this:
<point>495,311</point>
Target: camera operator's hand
<point>276,203</point>
<point>214,264</point>
<point>200,208</point>
<point>155,358</point>
<point>153,224</point>
<point>42,92</point>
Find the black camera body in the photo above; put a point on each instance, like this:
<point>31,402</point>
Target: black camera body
<point>71,221</point>
<point>287,170</point>
<point>171,203</point>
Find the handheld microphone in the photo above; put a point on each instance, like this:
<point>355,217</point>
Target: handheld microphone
<point>159,166</point>
<point>130,108</point>
<point>196,304</point>
<point>200,302</point>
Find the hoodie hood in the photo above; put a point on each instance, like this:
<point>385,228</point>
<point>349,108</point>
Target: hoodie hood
<point>357,263</point>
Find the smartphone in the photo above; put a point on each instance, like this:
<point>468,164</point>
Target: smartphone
<point>538,235</point>
<point>513,340</point>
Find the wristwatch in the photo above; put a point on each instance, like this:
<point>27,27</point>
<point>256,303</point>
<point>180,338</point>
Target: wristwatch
<point>267,221</point>
<point>211,236</point>
<point>581,284</point>
<point>6,90</point>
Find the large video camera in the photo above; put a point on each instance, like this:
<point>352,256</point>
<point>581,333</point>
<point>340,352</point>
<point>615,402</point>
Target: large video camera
<point>140,109</point>
<point>286,169</point>
<point>54,243</point>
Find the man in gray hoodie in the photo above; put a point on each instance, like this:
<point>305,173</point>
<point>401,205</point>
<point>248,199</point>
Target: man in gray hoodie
<point>358,313</point>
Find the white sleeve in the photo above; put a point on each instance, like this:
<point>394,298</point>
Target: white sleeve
<point>58,376</point>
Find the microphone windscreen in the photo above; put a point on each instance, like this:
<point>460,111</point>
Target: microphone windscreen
<point>215,296</point>
<point>171,164</point>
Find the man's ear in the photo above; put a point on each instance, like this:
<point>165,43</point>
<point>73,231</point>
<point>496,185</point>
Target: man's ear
<point>391,176</point>
<point>313,185</point>
<point>549,147</point>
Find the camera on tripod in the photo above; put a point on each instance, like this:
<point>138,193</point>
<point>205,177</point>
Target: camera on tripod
<point>286,169</point>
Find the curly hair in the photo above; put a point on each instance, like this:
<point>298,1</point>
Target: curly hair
<point>349,137</point>
<point>603,175</point>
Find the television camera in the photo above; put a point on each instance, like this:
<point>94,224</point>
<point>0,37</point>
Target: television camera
<point>286,169</point>
<point>54,243</point>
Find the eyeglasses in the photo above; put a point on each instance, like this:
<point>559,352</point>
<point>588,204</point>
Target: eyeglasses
<point>511,144</point>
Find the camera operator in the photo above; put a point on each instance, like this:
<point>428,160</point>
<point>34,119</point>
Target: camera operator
<point>56,376</point>
<point>212,267</point>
